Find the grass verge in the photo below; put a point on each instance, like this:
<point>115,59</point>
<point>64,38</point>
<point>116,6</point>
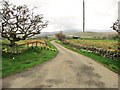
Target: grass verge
<point>109,63</point>
<point>29,58</point>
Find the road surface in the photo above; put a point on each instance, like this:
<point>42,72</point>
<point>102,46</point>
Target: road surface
<point>67,70</point>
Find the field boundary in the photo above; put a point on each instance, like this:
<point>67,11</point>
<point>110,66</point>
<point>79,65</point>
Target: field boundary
<point>31,57</point>
<point>113,54</point>
<point>107,62</point>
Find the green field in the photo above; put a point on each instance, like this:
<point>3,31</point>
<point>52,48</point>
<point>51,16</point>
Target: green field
<point>28,58</point>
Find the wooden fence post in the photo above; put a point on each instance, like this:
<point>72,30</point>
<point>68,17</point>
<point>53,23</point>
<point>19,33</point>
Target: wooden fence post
<point>27,44</point>
<point>36,43</point>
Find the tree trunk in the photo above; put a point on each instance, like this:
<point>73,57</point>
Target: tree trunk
<point>12,46</point>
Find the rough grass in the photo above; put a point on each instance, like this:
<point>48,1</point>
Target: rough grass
<point>105,44</point>
<point>109,63</point>
<point>29,58</point>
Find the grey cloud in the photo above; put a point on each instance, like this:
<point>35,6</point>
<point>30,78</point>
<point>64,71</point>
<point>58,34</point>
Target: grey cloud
<point>65,22</point>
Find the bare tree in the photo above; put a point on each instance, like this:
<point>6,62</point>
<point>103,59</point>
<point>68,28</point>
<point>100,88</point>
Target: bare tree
<point>116,27</point>
<point>60,36</point>
<point>20,23</point>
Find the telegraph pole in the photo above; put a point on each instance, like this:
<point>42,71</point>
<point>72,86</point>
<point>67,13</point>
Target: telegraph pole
<point>119,43</point>
<point>83,18</point>
<point>119,10</point>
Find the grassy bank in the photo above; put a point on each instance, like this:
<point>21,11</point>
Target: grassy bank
<point>27,59</point>
<point>109,63</point>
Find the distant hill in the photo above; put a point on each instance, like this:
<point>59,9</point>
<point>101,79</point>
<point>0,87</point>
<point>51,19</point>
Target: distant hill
<point>94,34</point>
<point>77,32</point>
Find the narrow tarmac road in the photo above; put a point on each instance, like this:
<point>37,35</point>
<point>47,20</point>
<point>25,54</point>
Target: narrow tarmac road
<point>67,70</point>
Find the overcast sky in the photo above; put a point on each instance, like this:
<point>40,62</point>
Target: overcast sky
<point>67,14</point>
